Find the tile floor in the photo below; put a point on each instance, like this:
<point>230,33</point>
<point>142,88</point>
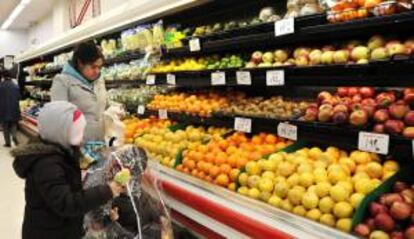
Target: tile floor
<point>11,196</point>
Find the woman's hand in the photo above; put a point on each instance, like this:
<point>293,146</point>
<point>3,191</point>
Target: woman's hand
<point>116,188</point>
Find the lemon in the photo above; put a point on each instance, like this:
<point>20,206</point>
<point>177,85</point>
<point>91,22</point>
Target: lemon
<point>293,180</point>
<point>306,179</point>
<point>269,174</point>
<point>374,170</point>
<point>286,169</point>
<point>253,168</point>
<point>275,201</point>
<point>327,219</point>
<point>295,195</point>
<point>322,189</point>
<point>254,193</point>
<point>314,214</point>
<point>356,199</point>
<point>314,152</point>
<point>304,168</point>
<point>320,175</point>
<point>326,204</point>
<point>344,224</point>
<point>266,185</point>
<point>243,190</point>
<point>265,196</point>
<point>286,205</point>
<point>338,193</point>
<point>299,210</point>
<point>310,200</point>
<point>343,210</point>
<point>243,179</point>
<point>281,189</point>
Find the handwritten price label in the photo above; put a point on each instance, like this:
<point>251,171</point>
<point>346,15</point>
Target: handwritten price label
<point>284,27</point>
<point>374,143</point>
<point>243,78</point>
<point>275,78</point>
<point>218,78</point>
<point>287,131</point>
<point>141,109</point>
<point>243,124</point>
<point>150,80</point>
<point>195,45</point>
<point>162,114</point>
<point>171,79</point>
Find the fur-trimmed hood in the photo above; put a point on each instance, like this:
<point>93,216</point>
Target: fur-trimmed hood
<point>26,155</point>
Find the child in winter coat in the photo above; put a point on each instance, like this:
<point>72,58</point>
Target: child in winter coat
<point>55,200</point>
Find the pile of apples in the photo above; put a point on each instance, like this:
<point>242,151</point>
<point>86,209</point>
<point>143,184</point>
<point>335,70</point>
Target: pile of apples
<point>391,216</point>
<point>323,185</point>
<point>221,160</point>
<point>355,51</point>
<point>390,110</point>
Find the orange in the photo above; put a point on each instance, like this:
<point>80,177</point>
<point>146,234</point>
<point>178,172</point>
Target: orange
<point>241,162</point>
<point>232,186</point>
<point>222,180</point>
<point>201,175</point>
<point>232,160</point>
<point>234,174</point>
<point>194,172</point>
<point>202,148</point>
<point>214,171</point>
<point>190,154</point>
<point>280,145</point>
<point>209,157</point>
<point>190,164</point>
<point>247,147</point>
<point>255,156</point>
<point>225,168</point>
<point>198,156</point>
<point>200,165</point>
<point>271,139</point>
<point>231,150</point>
<point>220,158</point>
<point>223,144</point>
<point>209,179</point>
<point>180,168</point>
<point>256,140</point>
<point>186,170</point>
<point>207,167</point>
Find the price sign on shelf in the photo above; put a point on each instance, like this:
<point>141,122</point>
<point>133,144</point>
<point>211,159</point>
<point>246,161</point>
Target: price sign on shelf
<point>195,45</point>
<point>162,114</point>
<point>141,110</point>
<point>275,78</point>
<point>218,78</point>
<point>287,131</point>
<point>243,124</point>
<point>243,78</point>
<point>150,80</point>
<point>171,79</point>
<point>373,142</point>
<point>285,26</point>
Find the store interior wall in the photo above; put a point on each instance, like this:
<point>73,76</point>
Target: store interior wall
<point>13,42</point>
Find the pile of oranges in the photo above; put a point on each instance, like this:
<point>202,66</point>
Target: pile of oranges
<point>201,104</point>
<point>135,127</point>
<point>220,161</point>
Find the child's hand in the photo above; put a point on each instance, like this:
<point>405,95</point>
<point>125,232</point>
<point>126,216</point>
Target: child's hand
<point>123,176</point>
<point>116,188</point>
<point>113,214</point>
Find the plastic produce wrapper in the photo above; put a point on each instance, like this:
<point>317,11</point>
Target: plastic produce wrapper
<point>141,212</point>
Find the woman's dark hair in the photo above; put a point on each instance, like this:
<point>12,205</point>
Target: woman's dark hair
<point>86,53</point>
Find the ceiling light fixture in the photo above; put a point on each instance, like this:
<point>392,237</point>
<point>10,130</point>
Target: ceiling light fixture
<point>16,12</point>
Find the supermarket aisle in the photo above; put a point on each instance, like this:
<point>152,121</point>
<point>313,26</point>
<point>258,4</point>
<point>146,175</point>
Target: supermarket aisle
<point>11,196</point>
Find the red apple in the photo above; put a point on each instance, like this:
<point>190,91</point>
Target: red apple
<point>400,186</point>
<point>381,115</point>
<point>340,117</point>
<point>324,95</point>
<point>357,98</point>
<point>376,208</point>
<point>367,92</point>
<point>340,108</point>
<point>353,91</point>
<point>369,101</point>
<point>408,195</point>
<point>325,115</point>
<point>409,45</point>
<point>370,109</point>
<point>397,235</point>
<point>398,110</point>
<point>400,210</point>
<point>409,233</point>
<point>384,99</point>
<point>409,118</point>
<point>343,91</point>
<point>409,95</point>
<point>257,57</point>
<point>311,114</point>
<point>394,126</point>
<point>362,230</point>
<point>379,128</point>
<point>384,222</point>
<point>358,118</point>
<point>390,198</point>
<point>370,222</point>
<point>409,132</point>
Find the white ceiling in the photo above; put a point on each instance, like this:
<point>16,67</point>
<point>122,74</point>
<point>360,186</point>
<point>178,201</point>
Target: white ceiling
<point>6,7</point>
<point>35,11</point>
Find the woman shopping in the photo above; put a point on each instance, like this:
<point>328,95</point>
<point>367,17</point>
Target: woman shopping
<point>79,84</point>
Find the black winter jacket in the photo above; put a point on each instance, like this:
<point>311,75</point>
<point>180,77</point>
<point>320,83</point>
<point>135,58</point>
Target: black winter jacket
<point>9,102</point>
<point>55,200</point>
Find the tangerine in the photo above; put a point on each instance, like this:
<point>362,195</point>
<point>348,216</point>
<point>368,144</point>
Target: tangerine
<point>271,139</point>
<point>232,160</point>
<point>225,168</point>
<point>209,157</point>
<point>222,180</point>
<point>241,162</point>
<point>186,170</point>
<point>214,171</point>
<point>194,172</point>
<point>257,140</point>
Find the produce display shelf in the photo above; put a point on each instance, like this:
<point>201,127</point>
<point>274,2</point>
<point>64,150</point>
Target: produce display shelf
<point>304,32</point>
<point>393,72</point>
<point>39,83</point>
<point>109,83</point>
<point>242,217</point>
<point>317,133</point>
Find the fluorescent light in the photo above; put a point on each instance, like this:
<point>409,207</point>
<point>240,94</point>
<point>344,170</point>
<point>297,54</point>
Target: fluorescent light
<point>16,12</point>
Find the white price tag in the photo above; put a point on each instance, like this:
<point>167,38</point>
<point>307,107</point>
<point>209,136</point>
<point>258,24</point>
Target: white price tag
<point>162,114</point>
<point>195,45</point>
<point>287,131</point>
<point>218,78</point>
<point>243,78</point>
<point>285,26</point>
<point>171,79</point>
<point>275,78</point>
<point>150,80</point>
<point>373,142</point>
<point>243,124</point>
<point>141,109</point>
